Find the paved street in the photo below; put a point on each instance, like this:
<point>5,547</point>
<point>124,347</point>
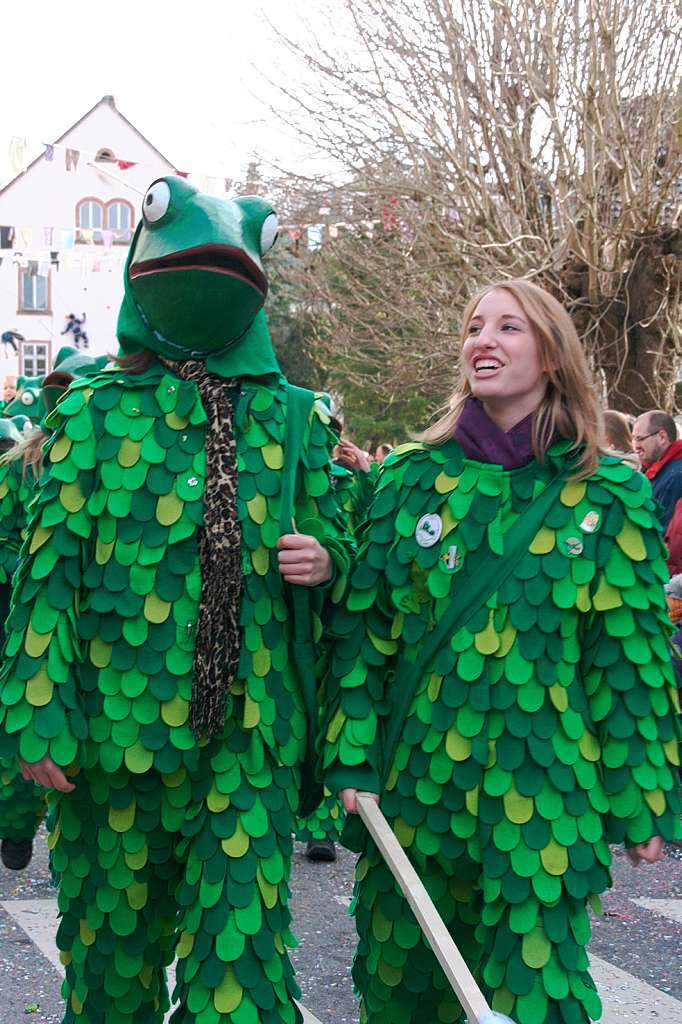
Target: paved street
<point>636,949</point>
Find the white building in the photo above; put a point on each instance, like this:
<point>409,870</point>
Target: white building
<point>49,267</point>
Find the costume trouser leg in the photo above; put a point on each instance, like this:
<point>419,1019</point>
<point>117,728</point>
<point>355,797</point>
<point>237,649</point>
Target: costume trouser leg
<point>234,920</point>
<point>535,922</point>
<point>204,855</point>
<point>395,972</point>
<point>324,823</point>
<point>529,954</point>
<point>22,804</point>
<point>113,857</point>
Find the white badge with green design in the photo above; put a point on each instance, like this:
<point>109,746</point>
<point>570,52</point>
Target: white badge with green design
<point>429,530</point>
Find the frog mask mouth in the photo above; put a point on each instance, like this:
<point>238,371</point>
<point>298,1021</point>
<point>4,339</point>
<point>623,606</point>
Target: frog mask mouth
<point>216,259</point>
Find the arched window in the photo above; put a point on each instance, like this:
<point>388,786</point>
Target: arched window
<point>90,217</point>
<point>120,218</point>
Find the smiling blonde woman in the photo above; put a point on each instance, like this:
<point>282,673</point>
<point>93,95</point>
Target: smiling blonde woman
<point>501,679</point>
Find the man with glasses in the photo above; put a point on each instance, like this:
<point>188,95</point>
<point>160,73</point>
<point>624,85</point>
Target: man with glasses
<point>654,439</point>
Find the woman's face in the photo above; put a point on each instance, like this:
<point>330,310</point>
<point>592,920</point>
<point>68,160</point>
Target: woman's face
<point>501,359</point>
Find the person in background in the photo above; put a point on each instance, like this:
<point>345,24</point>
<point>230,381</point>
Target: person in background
<point>11,338</point>
<point>654,440</point>
<point>619,437</point>
<point>354,477</point>
<point>9,392</point>
<point>22,802</point>
<point>380,453</point>
<point>673,540</point>
<point>356,487</point>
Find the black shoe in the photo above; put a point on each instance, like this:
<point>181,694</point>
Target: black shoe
<point>16,853</point>
<point>320,850</point>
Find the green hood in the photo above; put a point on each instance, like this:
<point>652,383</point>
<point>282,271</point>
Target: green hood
<point>194,281</point>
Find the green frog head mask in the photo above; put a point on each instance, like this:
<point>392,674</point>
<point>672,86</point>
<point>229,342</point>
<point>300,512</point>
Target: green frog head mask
<point>194,280</point>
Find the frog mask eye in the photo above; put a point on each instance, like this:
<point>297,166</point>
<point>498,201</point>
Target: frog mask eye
<point>27,398</point>
<point>156,202</point>
<point>268,233</point>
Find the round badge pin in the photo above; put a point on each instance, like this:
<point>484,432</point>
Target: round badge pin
<point>574,546</point>
<point>428,530</point>
<point>590,522</point>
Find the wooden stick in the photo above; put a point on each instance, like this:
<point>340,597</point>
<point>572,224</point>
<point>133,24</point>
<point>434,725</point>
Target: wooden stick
<point>449,957</point>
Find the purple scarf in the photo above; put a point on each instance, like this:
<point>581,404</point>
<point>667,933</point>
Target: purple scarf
<point>484,441</point>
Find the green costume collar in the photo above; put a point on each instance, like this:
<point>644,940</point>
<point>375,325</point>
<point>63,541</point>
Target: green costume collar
<point>194,281</point>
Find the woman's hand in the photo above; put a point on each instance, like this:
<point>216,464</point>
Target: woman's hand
<point>649,852</point>
<point>349,799</point>
<point>47,774</point>
<point>303,560</point>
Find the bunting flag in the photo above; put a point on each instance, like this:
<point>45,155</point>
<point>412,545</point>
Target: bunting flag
<point>20,147</point>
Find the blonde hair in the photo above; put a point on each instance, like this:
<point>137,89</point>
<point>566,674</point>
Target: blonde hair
<point>29,450</point>
<point>569,407</point>
<point>617,431</point>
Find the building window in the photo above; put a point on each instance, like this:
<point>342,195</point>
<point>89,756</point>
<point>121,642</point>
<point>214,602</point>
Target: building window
<point>90,217</point>
<point>34,358</point>
<point>94,216</point>
<point>120,220</point>
<point>34,290</point>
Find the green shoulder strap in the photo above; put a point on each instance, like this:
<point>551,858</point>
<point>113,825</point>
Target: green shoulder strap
<point>475,584</point>
<point>299,403</point>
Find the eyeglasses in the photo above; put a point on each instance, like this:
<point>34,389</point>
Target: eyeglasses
<point>643,437</point>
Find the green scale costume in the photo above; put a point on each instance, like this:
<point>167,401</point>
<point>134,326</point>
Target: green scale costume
<point>169,845</point>
<point>541,732</point>
<point>22,803</point>
<point>354,491</point>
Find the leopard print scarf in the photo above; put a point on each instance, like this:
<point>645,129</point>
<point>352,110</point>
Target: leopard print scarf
<point>217,647</point>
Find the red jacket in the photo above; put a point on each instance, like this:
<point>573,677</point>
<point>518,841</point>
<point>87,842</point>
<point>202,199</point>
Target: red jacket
<point>673,538</point>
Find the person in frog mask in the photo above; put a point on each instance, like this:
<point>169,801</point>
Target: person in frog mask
<point>154,671</point>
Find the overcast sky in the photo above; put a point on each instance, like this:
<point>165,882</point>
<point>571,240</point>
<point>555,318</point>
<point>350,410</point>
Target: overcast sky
<point>183,73</point>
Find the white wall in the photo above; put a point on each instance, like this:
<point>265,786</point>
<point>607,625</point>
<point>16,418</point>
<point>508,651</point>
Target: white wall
<point>46,196</point>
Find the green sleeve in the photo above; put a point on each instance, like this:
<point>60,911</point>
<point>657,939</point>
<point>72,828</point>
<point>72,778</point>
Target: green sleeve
<point>627,671</point>
<point>364,645</point>
<point>318,511</point>
<point>40,710</point>
<point>362,492</point>
<point>16,488</point>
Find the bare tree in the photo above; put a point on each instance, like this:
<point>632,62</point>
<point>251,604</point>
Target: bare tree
<point>480,139</point>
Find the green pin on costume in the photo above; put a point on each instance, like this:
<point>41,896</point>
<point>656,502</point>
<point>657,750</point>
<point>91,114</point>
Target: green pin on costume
<point>152,652</point>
